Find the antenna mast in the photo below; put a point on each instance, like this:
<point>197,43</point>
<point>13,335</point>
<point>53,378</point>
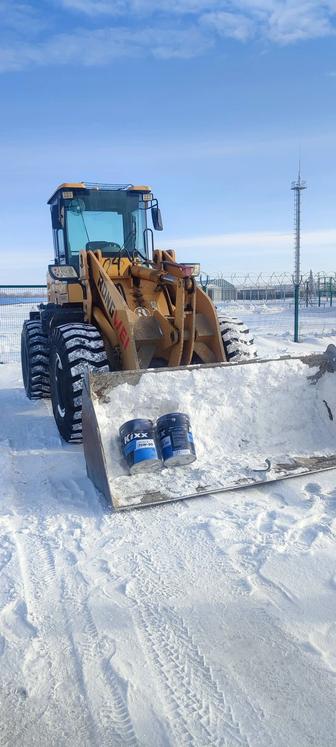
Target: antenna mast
<point>297,188</point>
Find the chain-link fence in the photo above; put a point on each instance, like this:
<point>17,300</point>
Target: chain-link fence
<point>276,319</point>
<point>264,303</point>
<point>16,301</point>
<point>317,289</point>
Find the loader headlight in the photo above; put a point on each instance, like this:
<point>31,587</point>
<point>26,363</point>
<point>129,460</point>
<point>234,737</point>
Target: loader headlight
<point>192,269</point>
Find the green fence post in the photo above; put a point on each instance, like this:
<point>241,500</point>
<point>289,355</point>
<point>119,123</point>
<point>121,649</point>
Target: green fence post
<point>296,312</point>
<point>204,282</point>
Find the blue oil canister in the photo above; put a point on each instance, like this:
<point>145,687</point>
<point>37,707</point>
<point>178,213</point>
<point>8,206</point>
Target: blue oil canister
<point>176,439</point>
<point>138,445</point>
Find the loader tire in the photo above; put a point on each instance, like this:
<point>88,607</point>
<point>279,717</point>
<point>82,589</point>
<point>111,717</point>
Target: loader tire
<point>237,339</point>
<point>73,348</point>
<point>35,360</point>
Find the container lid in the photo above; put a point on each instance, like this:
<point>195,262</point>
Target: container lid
<point>136,424</point>
<point>173,415</point>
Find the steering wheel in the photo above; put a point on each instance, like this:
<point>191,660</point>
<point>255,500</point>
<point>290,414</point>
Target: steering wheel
<point>110,246</point>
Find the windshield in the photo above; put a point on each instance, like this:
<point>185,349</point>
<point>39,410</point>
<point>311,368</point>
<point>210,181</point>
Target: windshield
<point>107,220</point>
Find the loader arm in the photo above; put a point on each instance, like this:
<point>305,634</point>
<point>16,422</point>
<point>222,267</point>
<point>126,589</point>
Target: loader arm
<point>190,328</point>
<point>151,313</point>
<point>109,310</point>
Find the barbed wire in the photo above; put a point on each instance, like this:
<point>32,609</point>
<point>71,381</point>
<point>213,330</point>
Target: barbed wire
<point>274,280</point>
<point>314,288</point>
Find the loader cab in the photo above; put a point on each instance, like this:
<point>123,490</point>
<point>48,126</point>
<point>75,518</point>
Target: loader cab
<point>112,218</point>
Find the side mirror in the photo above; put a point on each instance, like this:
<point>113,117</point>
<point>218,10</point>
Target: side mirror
<point>55,217</point>
<point>157,218</point>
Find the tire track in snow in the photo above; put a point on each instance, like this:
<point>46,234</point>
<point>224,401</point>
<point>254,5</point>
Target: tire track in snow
<point>177,531</point>
<point>85,701</point>
<point>95,700</point>
<point>35,573</point>
<point>104,687</point>
<point>199,713</point>
<point>73,656</point>
<point>57,601</point>
<point>114,725</point>
<point>47,614</point>
<point>103,693</point>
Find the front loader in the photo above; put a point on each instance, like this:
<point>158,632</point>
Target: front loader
<point>118,308</point>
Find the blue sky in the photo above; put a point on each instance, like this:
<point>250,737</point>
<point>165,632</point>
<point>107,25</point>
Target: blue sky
<point>208,101</point>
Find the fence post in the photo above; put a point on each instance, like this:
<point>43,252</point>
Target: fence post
<point>296,311</point>
<point>204,282</point>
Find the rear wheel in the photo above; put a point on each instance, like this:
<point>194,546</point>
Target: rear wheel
<point>73,348</point>
<point>35,360</point>
<point>237,339</point>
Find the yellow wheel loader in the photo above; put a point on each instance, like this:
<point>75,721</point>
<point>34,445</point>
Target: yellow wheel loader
<point>121,312</point>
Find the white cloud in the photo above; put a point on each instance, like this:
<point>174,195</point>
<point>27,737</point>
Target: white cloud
<point>295,21</point>
<point>255,238</point>
<point>247,242</point>
<point>255,251</point>
<point>20,17</point>
<point>100,46</point>
<point>280,21</point>
<point>264,13</point>
<point>165,29</point>
<point>234,25</point>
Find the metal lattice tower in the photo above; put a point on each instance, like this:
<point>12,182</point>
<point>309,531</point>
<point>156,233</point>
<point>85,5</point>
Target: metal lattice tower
<point>297,188</point>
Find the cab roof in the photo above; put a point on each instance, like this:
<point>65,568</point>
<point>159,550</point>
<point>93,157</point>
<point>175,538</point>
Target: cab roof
<point>98,186</point>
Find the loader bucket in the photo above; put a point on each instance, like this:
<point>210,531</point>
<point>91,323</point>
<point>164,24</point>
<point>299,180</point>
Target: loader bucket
<point>253,422</point>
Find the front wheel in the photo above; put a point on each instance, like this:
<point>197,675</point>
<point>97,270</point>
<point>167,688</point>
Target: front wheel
<point>73,348</point>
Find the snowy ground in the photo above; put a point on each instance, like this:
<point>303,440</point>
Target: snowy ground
<point>205,622</point>
<point>276,320</point>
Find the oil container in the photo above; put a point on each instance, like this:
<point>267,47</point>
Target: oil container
<point>138,445</point>
<point>175,439</point>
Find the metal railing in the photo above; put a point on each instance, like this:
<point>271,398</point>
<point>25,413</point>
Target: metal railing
<point>16,301</point>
